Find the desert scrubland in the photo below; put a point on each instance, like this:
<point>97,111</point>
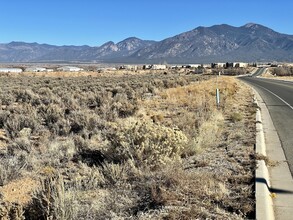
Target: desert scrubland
<point>126,146</point>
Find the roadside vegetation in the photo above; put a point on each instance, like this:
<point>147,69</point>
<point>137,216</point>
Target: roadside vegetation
<point>282,71</point>
<point>230,71</point>
<point>147,146</point>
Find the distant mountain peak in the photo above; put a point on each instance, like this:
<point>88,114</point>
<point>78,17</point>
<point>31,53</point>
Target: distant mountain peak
<point>219,43</point>
<point>131,38</point>
<point>109,43</point>
<point>255,26</point>
<point>249,25</point>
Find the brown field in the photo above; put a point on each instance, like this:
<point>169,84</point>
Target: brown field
<point>126,146</point>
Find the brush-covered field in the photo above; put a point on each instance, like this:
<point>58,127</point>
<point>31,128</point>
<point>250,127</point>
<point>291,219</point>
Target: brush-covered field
<point>147,146</point>
<point>280,73</point>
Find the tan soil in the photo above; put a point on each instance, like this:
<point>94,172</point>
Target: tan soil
<point>19,191</point>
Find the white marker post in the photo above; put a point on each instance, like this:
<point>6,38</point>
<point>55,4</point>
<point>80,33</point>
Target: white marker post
<point>218,97</point>
<point>218,93</point>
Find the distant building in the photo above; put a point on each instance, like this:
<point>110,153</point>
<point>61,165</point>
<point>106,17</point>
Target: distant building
<point>128,67</point>
<point>10,70</point>
<point>218,65</point>
<point>158,67</point>
<point>207,65</point>
<point>239,64</point>
<point>69,69</point>
<point>35,69</point>
<point>260,65</point>
<point>147,67</point>
<point>195,65</point>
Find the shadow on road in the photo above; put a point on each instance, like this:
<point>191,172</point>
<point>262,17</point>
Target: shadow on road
<point>271,189</point>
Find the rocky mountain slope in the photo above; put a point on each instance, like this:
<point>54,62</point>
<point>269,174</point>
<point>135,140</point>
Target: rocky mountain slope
<point>219,43</point>
<point>251,42</point>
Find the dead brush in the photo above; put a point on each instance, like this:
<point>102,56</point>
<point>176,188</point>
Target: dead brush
<point>145,142</point>
<point>85,179</point>
<point>269,162</point>
<point>11,211</point>
<point>236,117</point>
<point>209,132</point>
<point>173,187</point>
<point>118,141</point>
<point>114,173</point>
<point>50,202</point>
<point>11,167</point>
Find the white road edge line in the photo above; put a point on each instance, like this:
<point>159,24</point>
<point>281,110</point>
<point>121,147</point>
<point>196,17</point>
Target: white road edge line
<point>276,96</point>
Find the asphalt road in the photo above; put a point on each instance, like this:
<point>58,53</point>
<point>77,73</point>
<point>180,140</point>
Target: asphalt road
<point>259,72</point>
<point>278,97</point>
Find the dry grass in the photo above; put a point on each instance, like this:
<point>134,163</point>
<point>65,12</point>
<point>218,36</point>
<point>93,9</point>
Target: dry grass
<point>220,140</point>
<point>273,74</point>
<point>129,146</point>
<point>267,160</point>
<point>19,191</point>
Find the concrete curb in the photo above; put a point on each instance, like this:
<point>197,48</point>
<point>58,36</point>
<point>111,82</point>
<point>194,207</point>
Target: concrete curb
<point>280,176</point>
<point>278,192</point>
<point>264,203</point>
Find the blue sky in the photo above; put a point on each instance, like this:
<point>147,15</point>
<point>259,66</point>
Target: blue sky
<point>94,22</point>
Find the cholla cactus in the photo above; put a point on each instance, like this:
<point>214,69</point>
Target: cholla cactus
<point>147,143</point>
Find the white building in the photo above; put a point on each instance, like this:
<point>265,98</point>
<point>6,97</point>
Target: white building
<point>195,65</point>
<point>10,70</point>
<point>69,69</point>
<point>35,69</point>
<point>128,67</point>
<point>222,65</point>
<point>263,65</point>
<point>206,65</point>
<point>158,67</point>
<point>239,64</point>
<point>218,65</point>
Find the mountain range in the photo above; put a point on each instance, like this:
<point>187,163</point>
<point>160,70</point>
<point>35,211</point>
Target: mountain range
<point>218,43</point>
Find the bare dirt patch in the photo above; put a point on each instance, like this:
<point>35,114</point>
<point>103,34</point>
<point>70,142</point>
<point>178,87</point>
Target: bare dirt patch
<point>19,191</point>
